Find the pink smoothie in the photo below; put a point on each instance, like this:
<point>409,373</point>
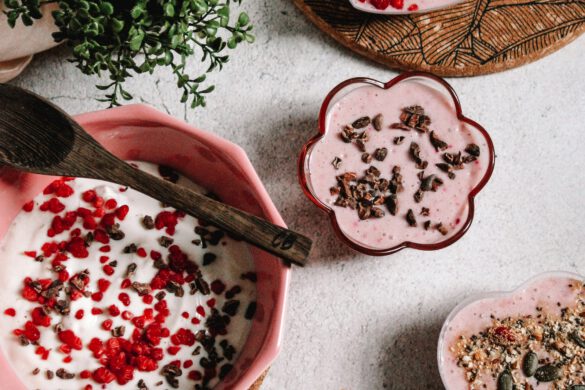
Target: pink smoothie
<point>408,6</point>
<point>448,205</point>
<point>539,307</point>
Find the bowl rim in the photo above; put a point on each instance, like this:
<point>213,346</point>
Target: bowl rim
<point>307,147</point>
<point>144,115</point>
<point>356,4</point>
<point>492,295</point>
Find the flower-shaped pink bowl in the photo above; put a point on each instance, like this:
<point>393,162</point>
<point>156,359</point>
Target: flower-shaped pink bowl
<point>138,132</point>
<point>502,304</point>
<point>350,85</point>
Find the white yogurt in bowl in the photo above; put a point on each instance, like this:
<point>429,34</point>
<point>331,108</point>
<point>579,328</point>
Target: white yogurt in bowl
<point>105,286</point>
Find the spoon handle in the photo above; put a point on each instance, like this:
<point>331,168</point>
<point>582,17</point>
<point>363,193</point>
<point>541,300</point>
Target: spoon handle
<point>279,241</point>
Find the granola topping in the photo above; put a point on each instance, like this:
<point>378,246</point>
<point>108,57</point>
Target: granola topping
<point>544,347</point>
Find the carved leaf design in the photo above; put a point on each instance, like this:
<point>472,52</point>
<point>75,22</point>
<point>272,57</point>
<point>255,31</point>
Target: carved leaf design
<point>370,31</point>
<point>513,31</point>
<point>442,31</point>
<point>473,37</point>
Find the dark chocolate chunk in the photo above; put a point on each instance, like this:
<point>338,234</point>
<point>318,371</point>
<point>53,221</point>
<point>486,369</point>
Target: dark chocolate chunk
<point>361,122</point>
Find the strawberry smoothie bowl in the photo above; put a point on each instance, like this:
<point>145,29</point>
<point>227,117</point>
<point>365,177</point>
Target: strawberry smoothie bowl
<point>396,164</point>
<point>105,287</point>
<point>529,338</point>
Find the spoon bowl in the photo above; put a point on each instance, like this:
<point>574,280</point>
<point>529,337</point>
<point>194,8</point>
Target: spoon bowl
<point>38,137</point>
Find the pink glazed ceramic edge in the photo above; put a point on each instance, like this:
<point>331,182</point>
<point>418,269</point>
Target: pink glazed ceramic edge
<point>139,132</point>
<point>307,148</point>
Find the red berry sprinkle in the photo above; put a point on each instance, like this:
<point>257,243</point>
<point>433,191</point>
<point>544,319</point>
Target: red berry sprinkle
<point>10,312</point>
<point>88,196</point>
<point>69,338</point>
<point>111,204</point>
<point>85,374</point>
<point>107,324</point>
<point>103,285</point>
<point>114,311</point>
<point>124,298</point>
<point>97,296</point>
<point>28,206</point>
<point>65,349</point>
<point>125,283</point>
<point>141,252</point>
<point>40,317</point>
<point>122,212</point>
<point>108,270</point>
<point>67,359</point>
<point>96,311</point>
<point>194,375</point>
<point>79,314</point>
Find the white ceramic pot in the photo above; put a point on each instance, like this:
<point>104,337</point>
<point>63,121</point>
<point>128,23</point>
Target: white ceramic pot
<point>18,44</point>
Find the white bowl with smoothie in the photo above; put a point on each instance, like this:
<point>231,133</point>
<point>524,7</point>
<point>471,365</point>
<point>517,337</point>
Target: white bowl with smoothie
<point>396,164</point>
<point>530,338</point>
<point>401,7</point>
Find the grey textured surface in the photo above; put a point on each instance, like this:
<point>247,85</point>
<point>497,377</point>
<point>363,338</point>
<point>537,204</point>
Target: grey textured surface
<point>356,322</point>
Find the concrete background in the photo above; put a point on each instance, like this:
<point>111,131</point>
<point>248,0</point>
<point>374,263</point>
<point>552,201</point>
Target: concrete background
<point>356,322</point>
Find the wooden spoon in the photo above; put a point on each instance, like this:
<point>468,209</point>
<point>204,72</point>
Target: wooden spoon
<point>36,136</point>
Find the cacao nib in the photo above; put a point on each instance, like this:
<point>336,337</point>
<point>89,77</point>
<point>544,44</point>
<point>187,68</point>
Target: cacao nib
<point>148,222</point>
<point>361,122</point>
<point>473,149</point>
<point>380,154</point>
<point>336,162</point>
<point>225,370</point>
<point>413,117</point>
<point>168,173</point>
<point>250,311</point>
<point>132,248</point>
<point>142,288</point>
<point>415,154</point>
<point>165,241</point>
<point>231,307</point>
<point>209,258</point>
<point>410,218</point>
<point>437,143</point>
<point>377,122</point>
<point>398,140</point>
<point>442,229</point>
<point>64,374</point>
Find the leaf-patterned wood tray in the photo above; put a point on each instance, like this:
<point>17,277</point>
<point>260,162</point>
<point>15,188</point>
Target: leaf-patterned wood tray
<point>472,38</point>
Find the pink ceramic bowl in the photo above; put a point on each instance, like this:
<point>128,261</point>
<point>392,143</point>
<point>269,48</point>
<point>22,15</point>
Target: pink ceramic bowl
<point>138,132</point>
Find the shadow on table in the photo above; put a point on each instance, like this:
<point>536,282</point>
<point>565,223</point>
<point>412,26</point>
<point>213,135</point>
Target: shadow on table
<point>409,360</point>
<point>275,158</point>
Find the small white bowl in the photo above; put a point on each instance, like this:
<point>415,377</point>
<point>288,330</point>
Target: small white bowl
<point>407,8</point>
